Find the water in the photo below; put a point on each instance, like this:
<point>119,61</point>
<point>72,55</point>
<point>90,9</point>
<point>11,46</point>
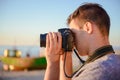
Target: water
<point>34,51</point>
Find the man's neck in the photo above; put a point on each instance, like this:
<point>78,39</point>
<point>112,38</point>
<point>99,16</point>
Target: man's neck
<point>97,45</point>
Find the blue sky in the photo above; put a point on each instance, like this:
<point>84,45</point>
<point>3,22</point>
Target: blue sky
<point>22,21</point>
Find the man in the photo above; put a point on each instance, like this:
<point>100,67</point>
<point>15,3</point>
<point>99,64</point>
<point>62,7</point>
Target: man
<point>90,25</point>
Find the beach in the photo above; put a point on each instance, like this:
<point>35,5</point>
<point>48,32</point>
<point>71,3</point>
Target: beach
<point>29,75</point>
<point>22,75</point>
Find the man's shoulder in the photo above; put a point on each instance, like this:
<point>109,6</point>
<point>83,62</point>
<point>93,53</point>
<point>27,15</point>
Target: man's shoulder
<point>104,68</point>
<point>110,60</point>
<point>106,62</point>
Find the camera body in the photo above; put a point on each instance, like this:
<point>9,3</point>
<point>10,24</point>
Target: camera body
<point>67,39</point>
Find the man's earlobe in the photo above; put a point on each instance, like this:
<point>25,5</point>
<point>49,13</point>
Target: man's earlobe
<point>88,27</point>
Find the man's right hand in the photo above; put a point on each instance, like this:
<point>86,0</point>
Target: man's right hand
<point>53,47</point>
<point>52,53</point>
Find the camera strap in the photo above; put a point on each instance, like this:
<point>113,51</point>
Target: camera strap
<point>100,52</point>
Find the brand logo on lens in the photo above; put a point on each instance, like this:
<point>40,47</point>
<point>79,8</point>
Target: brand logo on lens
<point>67,39</point>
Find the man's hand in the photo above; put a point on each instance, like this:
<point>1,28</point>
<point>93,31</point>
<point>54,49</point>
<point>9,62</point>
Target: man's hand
<point>54,58</point>
<point>52,53</point>
<point>53,47</point>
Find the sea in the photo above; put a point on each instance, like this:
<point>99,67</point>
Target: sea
<point>34,51</point>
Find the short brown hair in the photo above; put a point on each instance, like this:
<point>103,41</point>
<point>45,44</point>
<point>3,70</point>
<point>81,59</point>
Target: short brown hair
<point>94,13</point>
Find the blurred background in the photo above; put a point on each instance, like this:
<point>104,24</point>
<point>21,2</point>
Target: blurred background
<point>22,22</point>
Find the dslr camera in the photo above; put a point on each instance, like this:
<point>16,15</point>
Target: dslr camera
<point>67,39</point>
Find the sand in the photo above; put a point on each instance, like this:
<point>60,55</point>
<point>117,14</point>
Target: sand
<point>22,75</point>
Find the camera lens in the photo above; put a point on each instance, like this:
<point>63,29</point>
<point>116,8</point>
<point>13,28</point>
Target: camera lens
<point>67,39</point>
<point>43,40</point>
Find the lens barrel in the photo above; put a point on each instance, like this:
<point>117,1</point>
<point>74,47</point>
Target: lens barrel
<point>43,40</point>
<point>67,39</point>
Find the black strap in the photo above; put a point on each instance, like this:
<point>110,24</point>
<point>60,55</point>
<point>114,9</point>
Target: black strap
<point>82,61</point>
<point>100,52</point>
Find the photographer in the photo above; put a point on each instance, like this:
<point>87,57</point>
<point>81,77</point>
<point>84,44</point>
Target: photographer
<point>90,26</point>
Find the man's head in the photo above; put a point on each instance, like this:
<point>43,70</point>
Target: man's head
<point>87,21</point>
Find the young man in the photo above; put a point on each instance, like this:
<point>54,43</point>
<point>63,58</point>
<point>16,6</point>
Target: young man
<point>90,25</point>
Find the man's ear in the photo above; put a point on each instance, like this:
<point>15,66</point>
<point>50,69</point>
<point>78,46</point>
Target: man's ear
<point>88,27</point>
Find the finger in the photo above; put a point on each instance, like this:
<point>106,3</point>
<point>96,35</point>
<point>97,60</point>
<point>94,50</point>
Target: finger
<point>47,41</point>
<point>59,40</point>
<point>51,40</point>
<point>54,39</point>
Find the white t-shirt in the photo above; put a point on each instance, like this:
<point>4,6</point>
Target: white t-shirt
<point>104,68</point>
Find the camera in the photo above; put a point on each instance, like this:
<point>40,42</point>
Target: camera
<point>67,39</point>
